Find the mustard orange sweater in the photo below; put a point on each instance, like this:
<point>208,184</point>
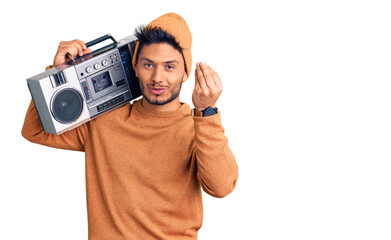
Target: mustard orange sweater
<point>144,169</point>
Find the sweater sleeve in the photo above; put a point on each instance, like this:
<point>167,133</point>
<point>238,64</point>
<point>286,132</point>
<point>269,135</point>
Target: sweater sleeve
<point>217,170</point>
<point>32,130</point>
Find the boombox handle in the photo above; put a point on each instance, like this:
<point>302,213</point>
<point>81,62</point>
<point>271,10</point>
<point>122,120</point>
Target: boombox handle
<point>100,39</point>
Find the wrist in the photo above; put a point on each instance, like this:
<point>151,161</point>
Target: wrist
<point>202,108</point>
<point>209,111</point>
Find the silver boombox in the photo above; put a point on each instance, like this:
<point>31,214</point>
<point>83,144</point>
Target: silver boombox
<point>79,90</point>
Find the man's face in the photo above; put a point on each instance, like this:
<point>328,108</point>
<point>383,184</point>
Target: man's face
<point>160,69</point>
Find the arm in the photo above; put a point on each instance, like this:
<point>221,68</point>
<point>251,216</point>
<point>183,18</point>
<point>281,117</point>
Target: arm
<point>32,129</point>
<point>217,170</point>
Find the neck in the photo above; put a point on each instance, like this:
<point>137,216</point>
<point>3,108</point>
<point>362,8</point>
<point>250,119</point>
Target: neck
<point>171,106</point>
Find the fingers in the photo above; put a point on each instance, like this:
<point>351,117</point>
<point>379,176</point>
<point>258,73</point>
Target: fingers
<point>208,87</point>
<point>87,51</point>
<point>74,48</point>
<point>207,77</point>
<point>81,46</point>
<point>199,77</point>
<point>216,78</point>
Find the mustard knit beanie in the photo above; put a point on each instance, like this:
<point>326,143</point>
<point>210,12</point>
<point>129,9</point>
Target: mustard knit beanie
<point>177,27</point>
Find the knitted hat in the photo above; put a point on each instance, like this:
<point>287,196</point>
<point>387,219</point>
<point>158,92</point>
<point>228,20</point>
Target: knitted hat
<point>177,27</point>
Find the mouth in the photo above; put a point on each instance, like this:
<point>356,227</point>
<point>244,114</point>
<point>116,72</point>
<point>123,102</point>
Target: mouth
<point>156,90</point>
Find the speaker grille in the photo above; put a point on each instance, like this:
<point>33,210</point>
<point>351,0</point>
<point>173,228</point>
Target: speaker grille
<point>67,105</point>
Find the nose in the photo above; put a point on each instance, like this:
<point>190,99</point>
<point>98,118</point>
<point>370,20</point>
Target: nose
<point>157,75</point>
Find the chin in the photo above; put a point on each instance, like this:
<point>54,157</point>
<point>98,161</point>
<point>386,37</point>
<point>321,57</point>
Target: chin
<point>162,100</point>
<point>156,100</point>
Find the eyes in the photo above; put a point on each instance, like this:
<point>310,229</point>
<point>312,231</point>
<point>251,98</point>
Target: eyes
<point>150,66</point>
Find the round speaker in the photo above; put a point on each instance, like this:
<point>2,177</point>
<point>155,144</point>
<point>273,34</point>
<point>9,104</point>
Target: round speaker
<point>67,105</point>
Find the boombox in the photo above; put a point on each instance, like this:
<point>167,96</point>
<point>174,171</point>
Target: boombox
<point>79,90</point>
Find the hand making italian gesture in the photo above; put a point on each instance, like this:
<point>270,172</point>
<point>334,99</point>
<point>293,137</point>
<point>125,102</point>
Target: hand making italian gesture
<point>208,87</point>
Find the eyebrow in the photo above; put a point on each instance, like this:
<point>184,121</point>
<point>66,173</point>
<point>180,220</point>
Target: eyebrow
<point>149,60</point>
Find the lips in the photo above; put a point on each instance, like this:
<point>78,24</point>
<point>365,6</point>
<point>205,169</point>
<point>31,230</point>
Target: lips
<point>157,91</point>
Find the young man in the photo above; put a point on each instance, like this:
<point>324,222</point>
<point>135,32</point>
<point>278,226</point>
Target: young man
<point>145,162</point>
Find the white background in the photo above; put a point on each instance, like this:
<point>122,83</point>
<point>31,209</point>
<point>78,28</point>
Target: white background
<point>306,108</point>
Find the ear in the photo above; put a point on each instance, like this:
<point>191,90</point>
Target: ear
<point>184,77</point>
<point>135,70</point>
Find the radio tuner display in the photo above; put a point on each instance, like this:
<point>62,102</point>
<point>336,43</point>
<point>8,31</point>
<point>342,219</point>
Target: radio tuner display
<point>102,81</point>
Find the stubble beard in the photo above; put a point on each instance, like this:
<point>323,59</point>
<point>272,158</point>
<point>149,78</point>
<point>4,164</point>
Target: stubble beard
<point>174,94</point>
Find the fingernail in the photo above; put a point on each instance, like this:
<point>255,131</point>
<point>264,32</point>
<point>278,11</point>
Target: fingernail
<point>81,54</point>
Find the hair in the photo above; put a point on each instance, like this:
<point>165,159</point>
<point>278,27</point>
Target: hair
<point>148,35</point>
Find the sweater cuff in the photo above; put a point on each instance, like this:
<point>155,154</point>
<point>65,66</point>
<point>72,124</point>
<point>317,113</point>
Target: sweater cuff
<point>195,115</point>
<point>209,123</point>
